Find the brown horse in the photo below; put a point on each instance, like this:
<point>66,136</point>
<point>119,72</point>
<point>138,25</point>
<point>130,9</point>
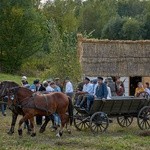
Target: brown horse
<point>15,110</point>
<point>44,105</point>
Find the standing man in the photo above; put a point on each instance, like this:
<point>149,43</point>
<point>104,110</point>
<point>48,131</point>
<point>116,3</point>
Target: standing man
<point>68,88</point>
<point>58,83</point>
<point>35,87</point>
<point>24,82</point>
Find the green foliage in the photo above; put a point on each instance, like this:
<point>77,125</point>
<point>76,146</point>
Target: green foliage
<point>40,40</point>
<point>132,29</point>
<point>130,8</point>
<point>20,33</point>
<point>113,29</point>
<point>61,59</point>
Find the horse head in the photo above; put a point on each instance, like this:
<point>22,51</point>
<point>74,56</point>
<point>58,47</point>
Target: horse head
<point>5,85</point>
<point>12,97</point>
<point>18,95</point>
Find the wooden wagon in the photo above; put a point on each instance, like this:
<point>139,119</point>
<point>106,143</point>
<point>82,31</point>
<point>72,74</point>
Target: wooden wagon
<point>123,108</point>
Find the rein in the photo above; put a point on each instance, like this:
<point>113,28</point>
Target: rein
<point>3,91</point>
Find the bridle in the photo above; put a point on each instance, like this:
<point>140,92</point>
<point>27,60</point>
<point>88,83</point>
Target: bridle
<point>12,94</point>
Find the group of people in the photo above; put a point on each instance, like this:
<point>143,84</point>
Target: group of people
<point>142,89</point>
<point>46,87</point>
<point>97,89</point>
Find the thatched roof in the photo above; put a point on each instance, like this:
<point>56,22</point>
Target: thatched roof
<point>114,57</point>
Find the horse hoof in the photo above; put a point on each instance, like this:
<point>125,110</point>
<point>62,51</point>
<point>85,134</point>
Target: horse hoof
<point>41,130</point>
<point>20,132</point>
<point>59,134</point>
<point>69,131</point>
<point>10,133</point>
<point>33,134</point>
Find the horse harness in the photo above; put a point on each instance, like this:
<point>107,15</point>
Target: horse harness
<point>27,104</point>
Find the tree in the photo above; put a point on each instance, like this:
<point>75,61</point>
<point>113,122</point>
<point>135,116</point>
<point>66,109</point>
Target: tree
<point>130,8</point>
<point>132,29</point>
<point>21,32</point>
<point>113,29</point>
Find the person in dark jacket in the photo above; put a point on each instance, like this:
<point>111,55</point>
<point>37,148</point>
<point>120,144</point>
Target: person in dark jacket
<point>100,93</point>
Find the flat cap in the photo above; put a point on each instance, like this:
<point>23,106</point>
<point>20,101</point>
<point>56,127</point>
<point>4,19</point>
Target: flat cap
<point>86,78</point>
<point>99,78</point>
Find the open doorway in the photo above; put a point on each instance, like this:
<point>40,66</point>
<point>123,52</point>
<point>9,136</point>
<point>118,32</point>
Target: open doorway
<point>133,84</point>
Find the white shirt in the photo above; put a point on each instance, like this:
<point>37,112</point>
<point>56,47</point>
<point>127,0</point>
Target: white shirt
<point>88,88</point>
<point>109,93</point>
<point>49,89</point>
<point>95,88</point>
<point>69,87</point>
<point>147,90</point>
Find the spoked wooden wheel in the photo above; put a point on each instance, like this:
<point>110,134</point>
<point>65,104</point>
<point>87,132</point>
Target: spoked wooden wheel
<point>81,122</point>
<point>143,118</point>
<point>124,121</point>
<point>99,122</point>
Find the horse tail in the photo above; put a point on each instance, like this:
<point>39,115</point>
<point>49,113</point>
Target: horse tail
<point>70,110</point>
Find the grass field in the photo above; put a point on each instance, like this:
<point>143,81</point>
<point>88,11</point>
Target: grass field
<point>115,138</point>
<point>15,78</point>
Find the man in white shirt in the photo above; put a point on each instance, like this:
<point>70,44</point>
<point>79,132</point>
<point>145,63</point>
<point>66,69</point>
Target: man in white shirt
<point>68,88</point>
<point>48,87</point>
<point>87,90</point>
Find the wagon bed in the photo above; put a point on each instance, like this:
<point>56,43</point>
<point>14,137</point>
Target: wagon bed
<point>124,108</point>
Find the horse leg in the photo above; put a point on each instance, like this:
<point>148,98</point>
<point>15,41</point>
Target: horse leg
<point>13,122</point>
<point>28,126</point>
<point>23,119</point>
<point>32,124</point>
<point>47,119</point>
<point>67,124</point>
<point>63,121</point>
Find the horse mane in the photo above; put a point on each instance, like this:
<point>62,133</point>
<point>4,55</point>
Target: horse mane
<point>11,82</point>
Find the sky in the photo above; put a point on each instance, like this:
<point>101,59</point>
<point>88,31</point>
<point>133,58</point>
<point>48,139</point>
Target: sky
<point>43,1</point>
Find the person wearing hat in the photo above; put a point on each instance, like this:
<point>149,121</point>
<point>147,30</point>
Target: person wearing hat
<point>100,92</point>
<point>87,90</point>
<point>68,88</point>
<point>112,85</point>
<point>35,86</point>
<point>58,83</point>
<point>24,82</point>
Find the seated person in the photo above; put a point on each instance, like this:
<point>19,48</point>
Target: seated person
<point>100,92</point>
<point>147,88</point>
<point>87,90</point>
<point>79,88</point>
<point>139,89</point>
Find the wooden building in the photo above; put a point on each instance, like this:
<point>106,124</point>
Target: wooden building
<point>128,59</point>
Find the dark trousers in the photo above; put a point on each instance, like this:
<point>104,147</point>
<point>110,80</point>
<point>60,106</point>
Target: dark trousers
<point>39,120</point>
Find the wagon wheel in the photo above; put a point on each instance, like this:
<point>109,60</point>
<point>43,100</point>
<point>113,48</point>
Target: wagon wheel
<point>81,122</point>
<point>99,122</point>
<point>124,121</point>
<point>143,118</point>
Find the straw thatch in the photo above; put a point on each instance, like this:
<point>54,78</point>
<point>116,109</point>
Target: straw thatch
<point>113,57</point>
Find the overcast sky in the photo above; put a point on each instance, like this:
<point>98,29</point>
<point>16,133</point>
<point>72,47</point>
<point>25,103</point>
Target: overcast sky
<point>43,1</point>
